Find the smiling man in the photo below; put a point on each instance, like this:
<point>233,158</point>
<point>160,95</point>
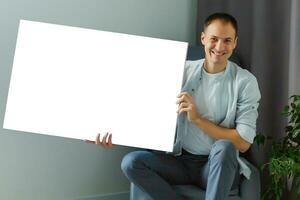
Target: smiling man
<point>217,112</point>
<point>219,39</point>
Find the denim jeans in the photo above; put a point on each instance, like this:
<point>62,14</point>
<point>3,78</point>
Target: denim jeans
<point>155,172</point>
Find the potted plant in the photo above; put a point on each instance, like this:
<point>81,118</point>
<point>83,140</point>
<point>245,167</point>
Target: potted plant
<point>284,164</point>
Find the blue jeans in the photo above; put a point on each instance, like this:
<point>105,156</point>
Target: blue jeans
<point>155,172</point>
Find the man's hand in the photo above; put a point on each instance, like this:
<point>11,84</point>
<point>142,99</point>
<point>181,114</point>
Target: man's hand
<point>186,104</point>
<point>106,141</point>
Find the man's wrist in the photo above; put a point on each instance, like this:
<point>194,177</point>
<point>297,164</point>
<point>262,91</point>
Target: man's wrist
<point>198,121</point>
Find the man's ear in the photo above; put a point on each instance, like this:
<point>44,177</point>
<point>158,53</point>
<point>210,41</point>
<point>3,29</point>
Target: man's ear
<point>235,41</point>
<point>202,38</point>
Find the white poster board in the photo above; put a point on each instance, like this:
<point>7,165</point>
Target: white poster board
<point>75,82</point>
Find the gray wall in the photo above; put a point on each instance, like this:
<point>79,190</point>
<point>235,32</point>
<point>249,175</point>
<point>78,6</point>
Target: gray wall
<point>39,167</point>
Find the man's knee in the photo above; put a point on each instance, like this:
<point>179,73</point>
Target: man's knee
<point>132,161</point>
<point>223,151</point>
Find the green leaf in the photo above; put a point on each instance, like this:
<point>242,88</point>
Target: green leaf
<point>293,118</point>
<point>295,97</point>
<point>297,125</point>
<point>259,139</point>
<point>285,110</point>
<point>297,120</point>
<point>296,133</point>
<point>292,96</point>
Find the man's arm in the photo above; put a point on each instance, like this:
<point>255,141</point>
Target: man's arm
<point>186,104</point>
<point>220,132</point>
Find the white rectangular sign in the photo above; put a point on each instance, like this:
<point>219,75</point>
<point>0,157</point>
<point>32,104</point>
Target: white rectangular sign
<point>75,82</point>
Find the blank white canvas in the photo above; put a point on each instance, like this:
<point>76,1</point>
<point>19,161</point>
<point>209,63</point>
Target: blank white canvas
<point>75,82</point>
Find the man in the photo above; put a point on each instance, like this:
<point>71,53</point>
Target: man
<point>217,111</point>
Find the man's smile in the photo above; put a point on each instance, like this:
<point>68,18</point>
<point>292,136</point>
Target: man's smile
<point>218,53</point>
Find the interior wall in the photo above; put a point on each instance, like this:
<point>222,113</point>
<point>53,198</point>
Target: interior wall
<point>35,167</point>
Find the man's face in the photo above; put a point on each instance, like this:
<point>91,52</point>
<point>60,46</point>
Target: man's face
<point>219,40</point>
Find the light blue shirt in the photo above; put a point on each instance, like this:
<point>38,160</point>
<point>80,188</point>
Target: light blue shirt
<point>229,99</point>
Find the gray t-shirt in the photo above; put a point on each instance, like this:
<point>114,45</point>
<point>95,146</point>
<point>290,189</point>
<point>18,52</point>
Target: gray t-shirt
<point>211,99</point>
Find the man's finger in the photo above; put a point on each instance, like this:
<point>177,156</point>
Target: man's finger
<point>182,93</point>
<point>185,98</point>
<point>182,99</point>
<point>104,140</point>
<point>110,141</point>
<point>183,110</point>
<point>179,101</point>
<point>183,105</point>
<point>97,141</point>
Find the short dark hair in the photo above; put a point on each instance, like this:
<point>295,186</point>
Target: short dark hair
<point>226,18</point>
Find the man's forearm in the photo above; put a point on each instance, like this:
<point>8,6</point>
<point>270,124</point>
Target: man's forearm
<point>219,132</point>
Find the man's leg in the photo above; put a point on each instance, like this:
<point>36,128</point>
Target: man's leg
<point>221,172</point>
<point>154,173</point>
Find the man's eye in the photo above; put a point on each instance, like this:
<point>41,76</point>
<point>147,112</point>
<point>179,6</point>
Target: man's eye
<point>213,39</point>
<point>227,41</point>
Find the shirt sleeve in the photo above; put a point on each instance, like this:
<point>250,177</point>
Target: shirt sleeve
<point>185,72</point>
<point>247,105</point>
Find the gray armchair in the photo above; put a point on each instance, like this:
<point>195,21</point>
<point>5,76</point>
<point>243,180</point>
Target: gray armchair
<point>248,189</point>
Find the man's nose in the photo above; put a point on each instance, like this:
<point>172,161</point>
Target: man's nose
<point>220,46</point>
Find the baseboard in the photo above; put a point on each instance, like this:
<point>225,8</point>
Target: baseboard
<point>110,196</point>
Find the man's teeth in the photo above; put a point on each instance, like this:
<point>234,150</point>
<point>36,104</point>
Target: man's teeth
<point>218,54</point>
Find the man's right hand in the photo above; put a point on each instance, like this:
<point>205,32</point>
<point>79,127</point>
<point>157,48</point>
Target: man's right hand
<point>105,142</point>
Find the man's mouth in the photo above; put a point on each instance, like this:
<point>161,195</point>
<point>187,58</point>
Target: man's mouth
<point>218,53</point>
